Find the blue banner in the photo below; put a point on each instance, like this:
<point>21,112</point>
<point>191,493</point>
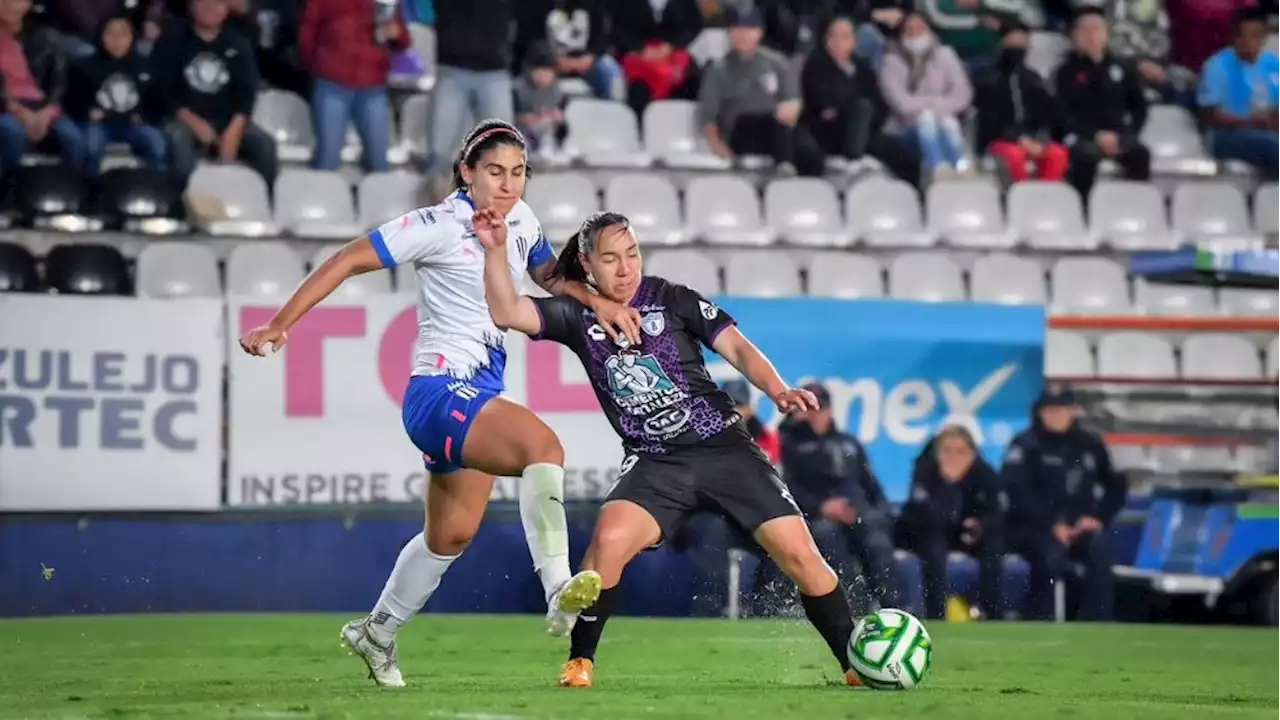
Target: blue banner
<point>898,371</point>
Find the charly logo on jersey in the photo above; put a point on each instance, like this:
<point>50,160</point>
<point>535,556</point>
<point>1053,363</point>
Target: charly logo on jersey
<point>653,323</point>
<point>639,385</point>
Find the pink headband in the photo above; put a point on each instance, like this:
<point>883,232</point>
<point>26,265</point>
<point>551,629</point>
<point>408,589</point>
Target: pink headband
<point>487,133</point>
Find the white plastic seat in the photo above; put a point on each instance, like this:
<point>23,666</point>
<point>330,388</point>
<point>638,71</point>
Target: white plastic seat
<point>604,133</point>
<point>1067,354</point>
<point>886,212</point>
<point>967,213</point>
<point>356,286</point>
<point>242,196</point>
<point>672,135</point>
<point>652,205</point>
<point>1175,142</point>
<point>268,268</point>
<point>383,196</point>
<point>1135,355</point>
<point>174,269</point>
<point>1129,457</point>
<point>1273,357</point>
<point>1007,280</point>
<point>1242,301</point>
<point>805,211</point>
<point>1089,286</point>
<point>1190,458</point>
<point>1219,356</point>
<point>762,273</point>
<point>1045,52</point>
<point>561,201</point>
<point>724,210</point>
<point>685,267</point>
<point>925,276</point>
<point>1266,208</point>
<point>315,204</point>
<point>1048,215</point>
<point>1210,211</point>
<point>1130,215</point>
<point>1173,300</point>
<point>286,117</point>
<point>845,276</point>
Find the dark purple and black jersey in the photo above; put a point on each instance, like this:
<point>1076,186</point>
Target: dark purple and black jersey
<point>657,396</point>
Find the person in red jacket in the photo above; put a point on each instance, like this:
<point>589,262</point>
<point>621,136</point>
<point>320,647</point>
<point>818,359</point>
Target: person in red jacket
<point>347,45</point>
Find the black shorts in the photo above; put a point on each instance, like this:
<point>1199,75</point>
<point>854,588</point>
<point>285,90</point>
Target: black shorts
<point>731,476</point>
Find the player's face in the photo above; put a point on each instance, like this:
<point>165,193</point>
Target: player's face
<point>497,180</point>
<point>615,263</point>
<point>1058,418</point>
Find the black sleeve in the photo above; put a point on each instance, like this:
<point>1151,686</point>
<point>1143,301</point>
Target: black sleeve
<point>244,78</point>
<point>601,31</point>
<point>561,319</point>
<point>989,499</point>
<point>1029,505</point>
<point>162,96</point>
<point>1115,489</point>
<point>702,317</point>
<point>919,513</point>
<point>55,86</point>
<point>81,95</point>
<point>1135,99</point>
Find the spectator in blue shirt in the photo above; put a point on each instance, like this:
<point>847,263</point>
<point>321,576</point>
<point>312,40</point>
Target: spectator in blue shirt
<point>1237,95</point>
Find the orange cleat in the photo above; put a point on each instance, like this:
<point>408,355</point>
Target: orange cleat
<point>577,673</point>
<point>851,679</point>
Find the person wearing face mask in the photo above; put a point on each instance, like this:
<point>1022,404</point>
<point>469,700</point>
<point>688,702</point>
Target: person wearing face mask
<point>927,88</point>
<point>1064,495</point>
<point>1017,114</point>
<point>956,504</point>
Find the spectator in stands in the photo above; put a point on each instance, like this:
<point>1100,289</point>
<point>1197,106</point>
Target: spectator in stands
<point>272,27</point>
<point>654,41</point>
<point>927,88</point>
<point>107,98</point>
<point>794,27</point>
<point>1238,93</point>
<point>78,23</point>
<point>1017,115</point>
<point>205,82</point>
<point>347,45</point>
<point>474,51</point>
<point>843,108</point>
<point>578,32</point>
<point>33,81</point>
<point>540,101</point>
<point>831,480</point>
<point>1064,495</point>
<point>1103,105</point>
<point>740,391</point>
<point>971,27</point>
<point>878,21</point>
<point>956,505</point>
<point>750,102</point>
<point>1140,36</point>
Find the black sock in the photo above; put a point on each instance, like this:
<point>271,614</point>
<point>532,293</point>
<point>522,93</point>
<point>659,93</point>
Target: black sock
<point>590,625</point>
<point>830,615</point>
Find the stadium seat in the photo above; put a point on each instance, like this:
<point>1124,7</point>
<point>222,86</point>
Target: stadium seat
<point>1175,142</point>
<point>1045,52</point>
<point>604,133</point>
<point>1210,211</point>
<point>725,210</point>
<point>967,213</point>
<point>175,269</point>
<point>1007,280</point>
<point>845,276</point>
<point>1219,356</point>
<point>415,125</point>
<point>1241,301</point>
<point>1173,300</point>
<point>18,271</point>
<point>1273,357</point>
<point>561,202</point>
<point>1130,457</point>
<point>1089,286</point>
<point>132,196</point>
<point>762,273</point>
<point>241,197</point>
<point>651,203</point>
<point>1135,355</point>
<point>1048,215</point>
<point>1266,208</point>
<point>1254,460</point>
<point>263,267</point>
<point>87,269</point>
<point>315,204</point>
<point>47,191</point>
<point>672,135</point>
<point>886,212</point>
<point>1129,215</point>
<point>287,118</point>
<point>384,196</point>
<point>685,267</point>
<point>1175,459</point>
<point>358,286</point>
<point>710,45</point>
<point>925,276</point>
<point>805,211</point>
<point>1067,354</point>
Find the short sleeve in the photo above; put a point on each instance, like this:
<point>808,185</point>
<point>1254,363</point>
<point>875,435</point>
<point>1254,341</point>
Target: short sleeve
<point>1212,92</point>
<point>415,236</point>
<point>561,319</point>
<point>702,317</point>
<point>541,253</point>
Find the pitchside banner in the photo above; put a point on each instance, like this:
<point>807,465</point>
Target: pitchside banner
<point>110,403</point>
<point>320,422</point>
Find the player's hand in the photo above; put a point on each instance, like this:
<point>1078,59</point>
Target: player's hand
<point>490,227</point>
<point>795,400</point>
<point>618,320</point>
<point>257,340</point>
<point>1087,524</point>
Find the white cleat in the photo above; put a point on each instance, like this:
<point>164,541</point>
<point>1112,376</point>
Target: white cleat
<point>577,594</point>
<point>384,668</point>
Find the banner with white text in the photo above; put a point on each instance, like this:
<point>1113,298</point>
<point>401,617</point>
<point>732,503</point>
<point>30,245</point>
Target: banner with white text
<point>110,403</point>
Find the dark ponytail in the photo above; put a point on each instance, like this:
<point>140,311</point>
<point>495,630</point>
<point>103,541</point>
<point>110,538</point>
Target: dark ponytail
<point>486,135</point>
<point>569,265</point>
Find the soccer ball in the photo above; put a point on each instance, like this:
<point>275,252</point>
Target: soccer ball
<point>890,650</point>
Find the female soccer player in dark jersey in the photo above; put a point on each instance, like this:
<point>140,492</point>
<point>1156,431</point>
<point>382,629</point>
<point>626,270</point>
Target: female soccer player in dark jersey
<point>686,448</point>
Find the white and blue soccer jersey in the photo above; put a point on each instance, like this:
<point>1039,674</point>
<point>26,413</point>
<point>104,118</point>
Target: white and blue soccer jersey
<point>456,335</point>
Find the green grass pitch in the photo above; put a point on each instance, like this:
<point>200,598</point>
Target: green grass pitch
<point>486,668</point>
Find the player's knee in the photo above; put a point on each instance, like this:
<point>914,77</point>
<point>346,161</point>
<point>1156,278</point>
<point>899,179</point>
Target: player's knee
<point>449,539</point>
<point>544,446</point>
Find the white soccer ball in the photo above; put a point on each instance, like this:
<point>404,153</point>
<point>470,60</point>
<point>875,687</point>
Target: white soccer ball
<point>890,650</point>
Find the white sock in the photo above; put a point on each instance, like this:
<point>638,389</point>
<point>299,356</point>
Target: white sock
<point>545,528</point>
<point>416,575</point>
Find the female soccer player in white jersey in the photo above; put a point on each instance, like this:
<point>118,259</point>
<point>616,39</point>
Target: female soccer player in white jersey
<point>452,410</point>
<point>686,447</point>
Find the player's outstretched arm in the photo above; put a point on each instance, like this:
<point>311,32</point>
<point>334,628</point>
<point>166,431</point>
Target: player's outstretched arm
<point>356,257</point>
<point>743,355</point>
<point>508,308</point>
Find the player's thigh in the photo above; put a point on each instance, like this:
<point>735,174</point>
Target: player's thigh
<point>455,505</point>
<point>745,487</point>
<point>504,438</point>
<point>661,487</point>
<point>623,529</point>
<point>787,540</point>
